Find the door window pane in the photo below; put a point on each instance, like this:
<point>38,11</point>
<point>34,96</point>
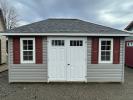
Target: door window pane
<point>81,43</point>
<point>58,43</point>
<point>76,43</point>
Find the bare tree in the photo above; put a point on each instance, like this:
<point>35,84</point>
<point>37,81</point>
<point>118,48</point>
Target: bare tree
<point>9,13</point>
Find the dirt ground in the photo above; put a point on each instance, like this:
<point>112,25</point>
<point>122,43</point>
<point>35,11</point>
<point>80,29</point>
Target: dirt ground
<point>67,91</point>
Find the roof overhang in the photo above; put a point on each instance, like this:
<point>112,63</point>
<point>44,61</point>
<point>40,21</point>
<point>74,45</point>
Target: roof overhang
<point>64,34</point>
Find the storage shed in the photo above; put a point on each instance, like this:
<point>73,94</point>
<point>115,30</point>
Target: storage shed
<point>129,46</point>
<point>66,50</point>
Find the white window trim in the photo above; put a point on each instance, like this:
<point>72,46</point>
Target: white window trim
<point>111,60</point>
<point>21,50</point>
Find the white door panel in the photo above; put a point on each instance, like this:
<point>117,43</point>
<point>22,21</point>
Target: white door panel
<point>57,70</point>
<point>77,61</point>
<point>56,62</point>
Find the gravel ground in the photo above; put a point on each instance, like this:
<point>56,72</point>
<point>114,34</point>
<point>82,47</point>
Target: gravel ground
<point>67,91</point>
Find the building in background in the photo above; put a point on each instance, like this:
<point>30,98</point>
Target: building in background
<point>3,53</point>
<point>129,47</point>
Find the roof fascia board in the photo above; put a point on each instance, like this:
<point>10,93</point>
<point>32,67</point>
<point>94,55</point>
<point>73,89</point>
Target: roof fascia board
<point>63,34</point>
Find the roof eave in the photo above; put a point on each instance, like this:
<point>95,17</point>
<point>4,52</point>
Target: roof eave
<point>64,34</point>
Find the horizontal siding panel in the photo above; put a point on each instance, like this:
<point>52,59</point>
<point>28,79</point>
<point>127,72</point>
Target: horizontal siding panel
<point>24,80</point>
<point>105,71</point>
<point>28,78</point>
<point>44,48</point>
<point>28,70</point>
<point>45,53</point>
<point>29,66</point>
<point>29,75</point>
<point>105,66</point>
<point>105,79</point>
<point>104,75</point>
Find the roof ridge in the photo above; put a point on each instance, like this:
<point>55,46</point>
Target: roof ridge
<point>62,19</point>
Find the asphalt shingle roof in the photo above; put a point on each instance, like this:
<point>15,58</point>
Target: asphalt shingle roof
<point>64,26</point>
<point>130,26</point>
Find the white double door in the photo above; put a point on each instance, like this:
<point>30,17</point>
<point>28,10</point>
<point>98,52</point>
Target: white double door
<point>67,58</point>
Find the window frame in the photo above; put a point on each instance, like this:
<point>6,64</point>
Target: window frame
<point>111,50</point>
<point>21,50</point>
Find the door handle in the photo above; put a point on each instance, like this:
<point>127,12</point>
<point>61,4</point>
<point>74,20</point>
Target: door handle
<point>68,64</point>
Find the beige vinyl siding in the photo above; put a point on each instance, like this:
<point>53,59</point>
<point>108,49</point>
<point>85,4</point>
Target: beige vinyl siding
<point>105,72</point>
<point>10,50</point>
<point>28,72</point>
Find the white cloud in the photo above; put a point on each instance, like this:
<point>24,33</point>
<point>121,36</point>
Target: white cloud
<point>108,17</point>
<point>113,13</point>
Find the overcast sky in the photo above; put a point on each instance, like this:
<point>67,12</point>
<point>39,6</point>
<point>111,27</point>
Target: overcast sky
<point>112,13</point>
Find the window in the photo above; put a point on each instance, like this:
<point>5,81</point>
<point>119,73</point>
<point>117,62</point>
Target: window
<point>76,43</point>
<point>27,50</point>
<point>58,43</point>
<point>105,50</point>
<point>129,44</point>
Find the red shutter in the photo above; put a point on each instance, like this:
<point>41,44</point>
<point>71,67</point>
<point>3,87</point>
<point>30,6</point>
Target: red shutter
<point>16,50</point>
<point>116,51</point>
<point>39,48</point>
<point>94,51</point>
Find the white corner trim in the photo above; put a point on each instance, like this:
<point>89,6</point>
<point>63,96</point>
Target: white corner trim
<point>99,58</point>
<point>21,50</point>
